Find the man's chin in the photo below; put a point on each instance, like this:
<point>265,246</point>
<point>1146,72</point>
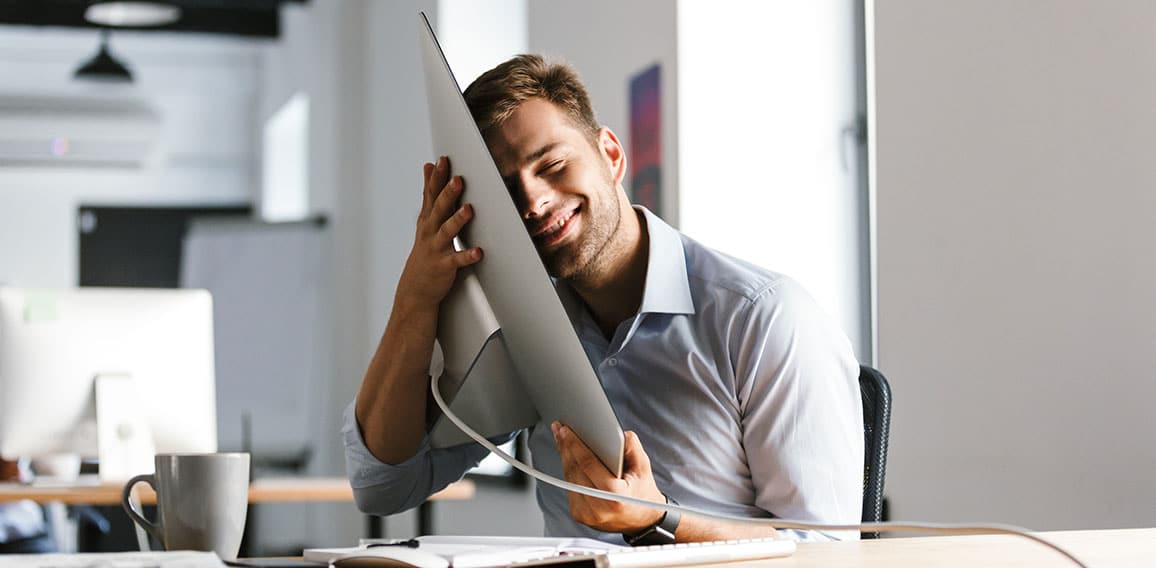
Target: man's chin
<point>559,265</point>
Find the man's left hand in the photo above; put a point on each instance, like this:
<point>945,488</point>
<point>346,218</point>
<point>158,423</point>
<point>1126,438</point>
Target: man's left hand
<point>584,468</point>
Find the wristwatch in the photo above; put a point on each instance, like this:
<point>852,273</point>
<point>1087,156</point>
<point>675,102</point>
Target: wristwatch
<point>661,532</point>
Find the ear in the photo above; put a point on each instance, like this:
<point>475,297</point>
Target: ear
<point>613,153</point>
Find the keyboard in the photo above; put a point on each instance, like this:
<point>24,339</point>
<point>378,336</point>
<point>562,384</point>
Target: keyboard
<point>684,553</point>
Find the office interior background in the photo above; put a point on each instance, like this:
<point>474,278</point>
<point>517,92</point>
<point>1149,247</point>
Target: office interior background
<point>965,186</point>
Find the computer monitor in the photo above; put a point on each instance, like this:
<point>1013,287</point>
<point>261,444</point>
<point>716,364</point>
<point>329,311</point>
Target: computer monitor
<point>112,373</point>
<point>504,325</point>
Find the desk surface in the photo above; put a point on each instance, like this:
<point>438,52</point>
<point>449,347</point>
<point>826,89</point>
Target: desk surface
<point>1105,548</point>
<point>288,489</point>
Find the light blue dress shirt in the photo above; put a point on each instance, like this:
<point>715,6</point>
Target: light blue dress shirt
<point>743,392</point>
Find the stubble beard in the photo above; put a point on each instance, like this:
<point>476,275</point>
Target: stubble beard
<point>580,259</point>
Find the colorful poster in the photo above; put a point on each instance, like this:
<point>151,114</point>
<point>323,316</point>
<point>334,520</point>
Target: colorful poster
<point>645,154</point>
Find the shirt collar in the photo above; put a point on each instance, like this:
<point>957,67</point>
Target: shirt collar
<point>667,287</point>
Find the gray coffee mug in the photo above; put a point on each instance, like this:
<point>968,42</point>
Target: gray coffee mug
<point>202,501</point>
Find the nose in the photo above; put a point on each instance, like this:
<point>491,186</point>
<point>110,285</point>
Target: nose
<point>535,197</point>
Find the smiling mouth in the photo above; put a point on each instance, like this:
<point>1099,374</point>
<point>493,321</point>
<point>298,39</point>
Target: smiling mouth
<point>556,230</point>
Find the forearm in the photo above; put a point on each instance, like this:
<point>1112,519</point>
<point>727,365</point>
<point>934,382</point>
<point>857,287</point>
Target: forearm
<point>391,405</point>
<point>700,529</point>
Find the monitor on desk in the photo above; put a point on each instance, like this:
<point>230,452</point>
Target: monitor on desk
<point>512,358</point>
<point>117,374</point>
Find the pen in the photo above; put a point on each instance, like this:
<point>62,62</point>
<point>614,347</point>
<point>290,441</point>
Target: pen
<point>411,543</point>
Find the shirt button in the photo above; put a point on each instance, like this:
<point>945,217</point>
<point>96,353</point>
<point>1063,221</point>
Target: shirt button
<point>613,362</point>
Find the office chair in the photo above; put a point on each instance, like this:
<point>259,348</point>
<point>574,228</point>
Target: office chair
<point>876,395</point>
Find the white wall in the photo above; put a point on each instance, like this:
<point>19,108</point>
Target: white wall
<point>768,159</point>
<point>204,90</point>
<point>1015,229</point>
<point>476,35</point>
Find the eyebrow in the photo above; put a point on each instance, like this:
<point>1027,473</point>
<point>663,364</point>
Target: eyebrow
<point>532,157</point>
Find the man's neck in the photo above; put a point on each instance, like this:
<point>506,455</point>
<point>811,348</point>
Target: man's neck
<point>613,291</point>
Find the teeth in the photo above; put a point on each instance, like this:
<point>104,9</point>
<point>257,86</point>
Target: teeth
<point>557,226</point>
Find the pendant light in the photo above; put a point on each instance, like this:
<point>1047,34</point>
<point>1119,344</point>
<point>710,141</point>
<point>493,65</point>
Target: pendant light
<point>103,67</point>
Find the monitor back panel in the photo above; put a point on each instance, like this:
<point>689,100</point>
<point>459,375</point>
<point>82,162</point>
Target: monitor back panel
<point>542,344</point>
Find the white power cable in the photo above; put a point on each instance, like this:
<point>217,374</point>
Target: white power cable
<point>932,528</point>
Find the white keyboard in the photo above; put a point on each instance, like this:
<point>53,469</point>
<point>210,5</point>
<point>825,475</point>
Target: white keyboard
<point>699,552</point>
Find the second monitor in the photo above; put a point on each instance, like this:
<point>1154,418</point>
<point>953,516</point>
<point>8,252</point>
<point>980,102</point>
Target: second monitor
<point>108,373</point>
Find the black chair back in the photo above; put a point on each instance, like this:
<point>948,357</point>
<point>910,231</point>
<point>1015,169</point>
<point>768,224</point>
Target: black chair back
<point>876,428</point>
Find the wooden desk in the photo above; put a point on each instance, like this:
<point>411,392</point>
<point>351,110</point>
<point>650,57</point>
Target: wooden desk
<point>271,490</point>
<point>1105,548</point>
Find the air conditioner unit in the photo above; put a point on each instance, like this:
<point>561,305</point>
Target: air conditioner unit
<point>71,132</point>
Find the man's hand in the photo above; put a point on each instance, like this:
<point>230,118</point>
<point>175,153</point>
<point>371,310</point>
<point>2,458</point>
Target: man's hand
<point>391,405</point>
<point>433,263</point>
<point>584,468</point>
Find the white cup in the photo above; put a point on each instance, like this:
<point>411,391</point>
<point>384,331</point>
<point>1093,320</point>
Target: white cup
<point>202,501</point>
<point>59,467</point>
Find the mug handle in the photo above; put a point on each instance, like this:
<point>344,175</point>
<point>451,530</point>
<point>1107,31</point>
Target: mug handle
<point>135,515</point>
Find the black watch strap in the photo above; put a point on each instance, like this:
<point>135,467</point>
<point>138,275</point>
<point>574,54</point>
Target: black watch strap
<point>661,532</point>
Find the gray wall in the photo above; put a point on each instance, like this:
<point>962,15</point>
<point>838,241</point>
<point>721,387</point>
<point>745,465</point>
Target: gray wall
<point>1015,259</point>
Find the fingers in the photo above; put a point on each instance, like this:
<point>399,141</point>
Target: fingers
<point>436,177</point>
<point>466,257</point>
<point>447,199</point>
<point>452,222</point>
<point>636,462</point>
<point>577,456</point>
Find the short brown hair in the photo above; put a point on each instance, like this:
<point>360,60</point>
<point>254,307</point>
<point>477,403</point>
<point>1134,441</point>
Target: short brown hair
<point>497,93</point>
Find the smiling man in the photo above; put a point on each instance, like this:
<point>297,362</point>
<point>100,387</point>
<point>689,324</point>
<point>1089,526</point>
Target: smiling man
<point>738,394</point>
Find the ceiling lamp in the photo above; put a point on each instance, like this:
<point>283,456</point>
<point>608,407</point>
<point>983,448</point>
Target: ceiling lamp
<point>132,14</point>
<point>103,66</point>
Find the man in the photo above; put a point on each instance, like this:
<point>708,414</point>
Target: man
<point>737,393</point>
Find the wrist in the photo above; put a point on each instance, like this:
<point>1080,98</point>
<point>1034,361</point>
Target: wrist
<point>662,531</point>
<point>653,517</point>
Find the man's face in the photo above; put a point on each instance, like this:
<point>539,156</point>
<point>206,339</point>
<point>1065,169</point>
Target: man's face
<point>562,184</point>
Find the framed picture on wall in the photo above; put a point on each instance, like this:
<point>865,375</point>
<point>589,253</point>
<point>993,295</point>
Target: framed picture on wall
<point>645,150</point>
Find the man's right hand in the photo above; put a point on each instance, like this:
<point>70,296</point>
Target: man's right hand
<point>391,405</point>
<point>433,263</point>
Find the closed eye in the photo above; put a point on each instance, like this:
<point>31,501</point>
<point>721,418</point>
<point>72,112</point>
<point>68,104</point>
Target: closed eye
<point>551,168</point>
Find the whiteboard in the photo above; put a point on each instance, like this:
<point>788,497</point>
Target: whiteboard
<point>265,280</point>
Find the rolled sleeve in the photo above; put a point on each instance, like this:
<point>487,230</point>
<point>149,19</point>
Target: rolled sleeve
<point>384,489</point>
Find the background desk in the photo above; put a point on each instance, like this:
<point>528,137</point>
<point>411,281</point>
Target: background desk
<point>269,490</point>
<point>1107,548</point>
